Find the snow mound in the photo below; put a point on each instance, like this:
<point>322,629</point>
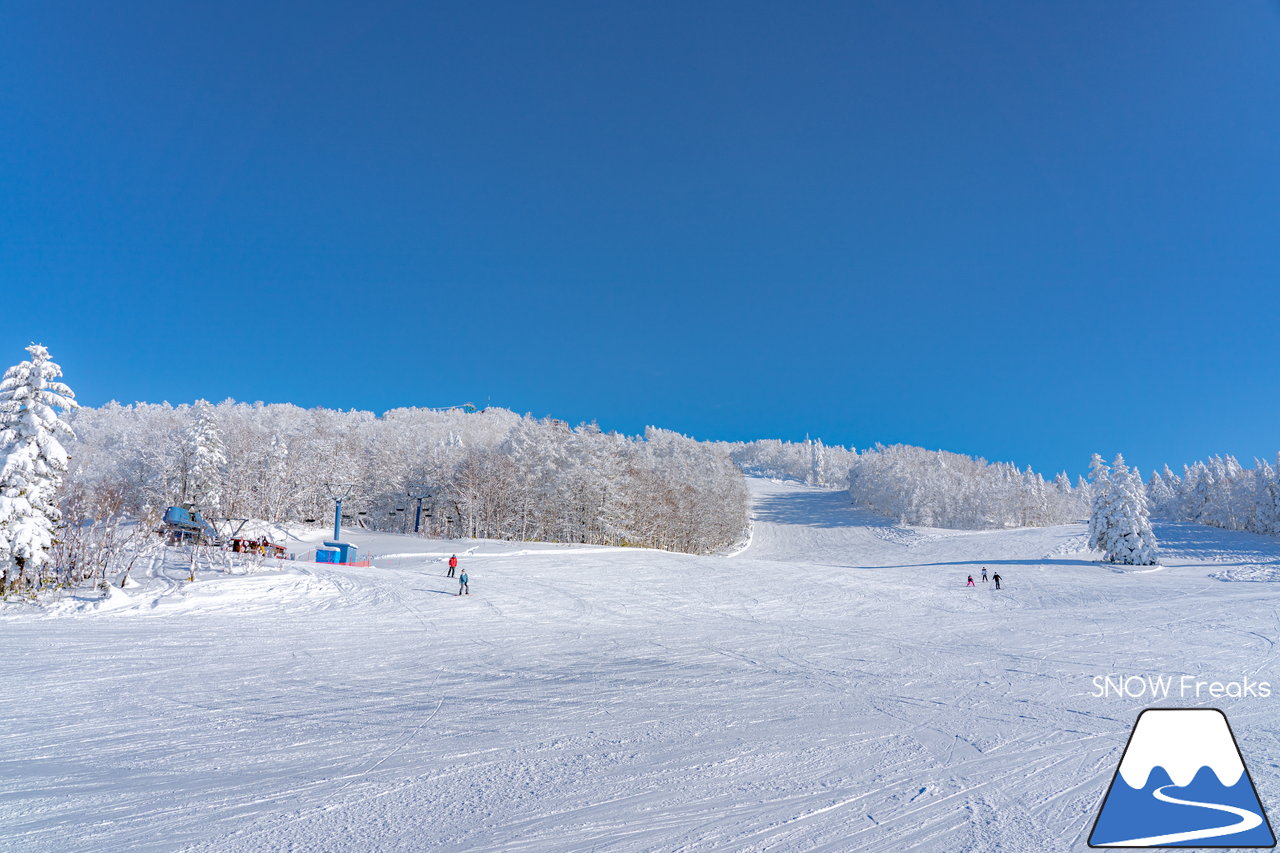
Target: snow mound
<point>1250,574</point>
<point>91,601</point>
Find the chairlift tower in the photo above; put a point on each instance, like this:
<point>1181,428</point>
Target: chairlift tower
<point>418,492</point>
<point>338,492</point>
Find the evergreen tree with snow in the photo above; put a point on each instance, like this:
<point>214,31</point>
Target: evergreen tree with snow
<point>1135,543</point>
<point>815,462</point>
<point>1198,494</point>
<point>1160,492</point>
<point>32,464</point>
<point>206,459</point>
<point>1268,500</point>
<point>1100,509</point>
<point>1120,525</point>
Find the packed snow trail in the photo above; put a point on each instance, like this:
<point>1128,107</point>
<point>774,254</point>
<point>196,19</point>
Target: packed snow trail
<point>832,687</point>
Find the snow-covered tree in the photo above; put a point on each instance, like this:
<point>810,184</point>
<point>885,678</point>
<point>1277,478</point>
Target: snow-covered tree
<point>1120,526</point>
<point>492,474</point>
<point>935,488</point>
<point>32,464</point>
<point>1267,498</point>
<point>1197,496</point>
<point>817,462</point>
<point>206,459</point>
<point>1101,513</point>
<point>810,461</point>
<point>1162,493</point>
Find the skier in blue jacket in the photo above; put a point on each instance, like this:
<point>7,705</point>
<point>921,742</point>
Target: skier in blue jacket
<point>463,589</point>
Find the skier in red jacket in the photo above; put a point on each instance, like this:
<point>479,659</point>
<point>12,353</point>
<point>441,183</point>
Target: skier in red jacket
<point>453,565</point>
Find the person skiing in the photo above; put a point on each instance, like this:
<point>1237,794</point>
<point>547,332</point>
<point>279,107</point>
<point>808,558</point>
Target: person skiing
<point>970,583</point>
<point>984,574</point>
<point>996,578</point>
<point>453,564</point>
<point>463,589</point>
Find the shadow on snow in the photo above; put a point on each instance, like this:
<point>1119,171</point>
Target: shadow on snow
<point>816,509</point>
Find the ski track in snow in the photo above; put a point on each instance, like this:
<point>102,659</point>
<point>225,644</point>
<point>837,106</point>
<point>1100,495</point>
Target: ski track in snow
<point>831,687</point>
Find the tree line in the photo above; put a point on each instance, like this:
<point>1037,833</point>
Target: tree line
<point>70,475</point>
<point>1220,492</point>
<point>488,474</point>
<point>930,488</point>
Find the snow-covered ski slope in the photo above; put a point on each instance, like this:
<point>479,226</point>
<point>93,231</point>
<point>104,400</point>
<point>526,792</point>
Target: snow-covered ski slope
<point>832,687</point>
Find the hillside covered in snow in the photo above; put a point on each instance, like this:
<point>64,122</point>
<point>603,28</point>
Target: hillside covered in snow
<point>833,685</point>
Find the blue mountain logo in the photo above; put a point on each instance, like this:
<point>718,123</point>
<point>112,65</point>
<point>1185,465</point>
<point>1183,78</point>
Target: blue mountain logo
<point>1182,783</point>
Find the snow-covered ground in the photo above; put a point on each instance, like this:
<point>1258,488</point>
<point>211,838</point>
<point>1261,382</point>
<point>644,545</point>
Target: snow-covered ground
<point>834,686</point>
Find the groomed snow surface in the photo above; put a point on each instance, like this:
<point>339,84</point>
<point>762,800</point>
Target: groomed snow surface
<point>834,686</point>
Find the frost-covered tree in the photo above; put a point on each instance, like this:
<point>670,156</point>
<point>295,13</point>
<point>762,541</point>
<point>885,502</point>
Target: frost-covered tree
<point>817,462</point>
<point>1162,493</point>
<point>939,489</point>
<point>1266,498</point>
<point>810,461</point>
<point>206,455</point>
<point>1101,513</point>
<point>32,464</point>
<point>276,483</point>
<point>1197,497</point>
<point>1135,542</point>
<point>490,474</point>
<point>1119,525</point>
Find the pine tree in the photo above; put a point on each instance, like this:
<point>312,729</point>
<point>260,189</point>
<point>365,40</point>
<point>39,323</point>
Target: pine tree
<point>1120,526</point>
<point>1269,500</point>
<point>206,459</point>
<point>1160,493</point>
<point>1136,544</point>
<point>1100,510</point>
<point>817,463</point>
<point>32,464</point>
<point>1199,492</point>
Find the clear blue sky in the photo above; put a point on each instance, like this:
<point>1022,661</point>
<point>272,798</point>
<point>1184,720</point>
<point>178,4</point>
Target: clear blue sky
<point>1024,230</point>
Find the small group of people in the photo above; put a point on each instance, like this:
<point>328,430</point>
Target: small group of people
<point>995,577</point>
<point>463,589</point>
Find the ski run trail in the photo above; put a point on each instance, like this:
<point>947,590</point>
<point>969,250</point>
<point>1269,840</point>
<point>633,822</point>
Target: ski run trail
<point>833,686</point>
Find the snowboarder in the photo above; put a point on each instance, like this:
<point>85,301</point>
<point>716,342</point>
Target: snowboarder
<point>453,564</point>
<point>463,589</point>
<point>970,583</point>
<point>996,578</point>
<point>984,574</point>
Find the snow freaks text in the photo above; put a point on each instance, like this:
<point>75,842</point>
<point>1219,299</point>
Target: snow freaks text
<point>1178,687</point>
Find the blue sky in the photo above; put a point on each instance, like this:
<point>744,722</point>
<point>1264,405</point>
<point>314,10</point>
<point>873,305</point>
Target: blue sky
<point>1025,231</point>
